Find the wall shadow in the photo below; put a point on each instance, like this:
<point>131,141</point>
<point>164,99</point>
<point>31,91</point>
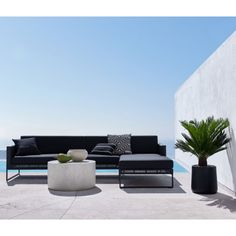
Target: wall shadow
<point>220,200</point>
<point>231,154</point>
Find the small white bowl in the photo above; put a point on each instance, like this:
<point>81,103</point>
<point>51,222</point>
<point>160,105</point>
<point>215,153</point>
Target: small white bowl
<point>78,154</point>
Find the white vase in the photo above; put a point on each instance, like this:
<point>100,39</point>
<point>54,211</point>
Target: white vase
<point>78,154</point>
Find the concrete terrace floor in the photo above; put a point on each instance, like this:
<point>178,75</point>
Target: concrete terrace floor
<point>28,197</point>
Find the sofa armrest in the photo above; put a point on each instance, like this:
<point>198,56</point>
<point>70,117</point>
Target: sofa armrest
<point>161,150</point>
<point>11,152</point>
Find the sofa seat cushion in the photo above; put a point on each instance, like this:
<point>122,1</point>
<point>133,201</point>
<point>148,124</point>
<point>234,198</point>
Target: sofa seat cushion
<point>34,159</point>
<point>104,159</point>
<point>145,162</point>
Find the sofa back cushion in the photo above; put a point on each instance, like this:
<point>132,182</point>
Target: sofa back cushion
<point>61,144</point>
<point>144,144</point>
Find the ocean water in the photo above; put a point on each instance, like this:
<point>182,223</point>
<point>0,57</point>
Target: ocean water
<point>177,168</point>
<point>170,148</point>
<point>2,154</point>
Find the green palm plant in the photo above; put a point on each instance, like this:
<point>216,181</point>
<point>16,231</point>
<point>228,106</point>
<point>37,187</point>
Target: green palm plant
<point>205,138</point>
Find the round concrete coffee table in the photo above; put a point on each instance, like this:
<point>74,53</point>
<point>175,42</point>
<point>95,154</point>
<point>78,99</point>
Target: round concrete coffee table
<point>71,176</point>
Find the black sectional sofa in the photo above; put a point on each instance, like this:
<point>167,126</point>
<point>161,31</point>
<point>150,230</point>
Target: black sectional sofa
<point>50,146</point>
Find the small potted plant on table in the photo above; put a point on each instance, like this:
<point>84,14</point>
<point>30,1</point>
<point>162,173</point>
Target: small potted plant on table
<point>204,138</point>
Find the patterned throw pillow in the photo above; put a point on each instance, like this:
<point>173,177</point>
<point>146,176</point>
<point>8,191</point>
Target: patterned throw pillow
<point>123,143</point>
<point>104,149</point>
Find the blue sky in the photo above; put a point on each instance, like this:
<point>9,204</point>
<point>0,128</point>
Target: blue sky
<point>94,76</point>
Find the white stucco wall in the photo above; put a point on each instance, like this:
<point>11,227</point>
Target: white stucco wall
<point>211,90</point>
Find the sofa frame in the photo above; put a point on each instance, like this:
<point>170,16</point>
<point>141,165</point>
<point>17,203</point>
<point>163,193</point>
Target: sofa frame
<point>11,151</point>
<point>122,173</point>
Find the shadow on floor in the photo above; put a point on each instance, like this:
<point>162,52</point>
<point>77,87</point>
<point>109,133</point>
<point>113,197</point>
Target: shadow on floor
<point>107,179</point>
<point>220,200</point>
<point>81,193</point>
<point>42,179</point>
<point>28,179</point>
<point>156,180</point>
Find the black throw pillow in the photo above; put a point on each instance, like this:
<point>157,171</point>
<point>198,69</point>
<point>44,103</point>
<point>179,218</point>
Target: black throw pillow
<point>26,146</point>
<point>104,149</point>
<point>107,144</point>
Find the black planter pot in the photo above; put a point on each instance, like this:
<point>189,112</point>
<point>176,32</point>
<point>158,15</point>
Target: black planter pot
<point>204,179</point>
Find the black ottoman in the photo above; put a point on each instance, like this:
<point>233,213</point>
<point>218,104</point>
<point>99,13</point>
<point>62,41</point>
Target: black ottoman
<point>145,164</point>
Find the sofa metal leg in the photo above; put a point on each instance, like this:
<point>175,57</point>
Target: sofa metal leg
<point>172,180</point>
<point>170,172</point>
<point>120,172</point>
<point>12,177</point>
<point>119,179</point>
